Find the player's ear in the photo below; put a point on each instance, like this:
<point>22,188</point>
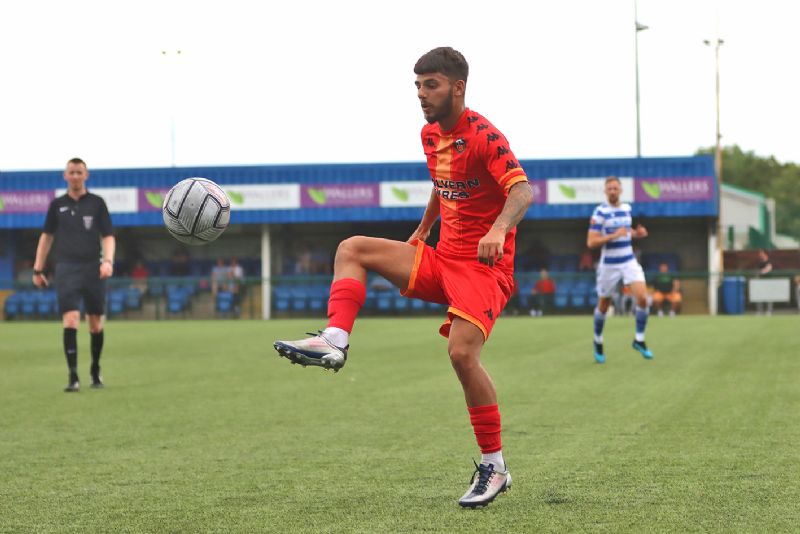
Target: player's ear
<point>459,88</point>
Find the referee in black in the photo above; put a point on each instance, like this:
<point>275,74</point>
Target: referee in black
<point>79,223</point>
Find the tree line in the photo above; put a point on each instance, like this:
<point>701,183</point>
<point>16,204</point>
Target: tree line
<point>765,175</point>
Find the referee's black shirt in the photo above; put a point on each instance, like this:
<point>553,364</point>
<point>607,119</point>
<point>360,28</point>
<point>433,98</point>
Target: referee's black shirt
<point>77,226</point>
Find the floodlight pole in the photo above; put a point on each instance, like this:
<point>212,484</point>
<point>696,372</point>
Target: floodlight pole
<point>719,267</point>
<point>639,27</point>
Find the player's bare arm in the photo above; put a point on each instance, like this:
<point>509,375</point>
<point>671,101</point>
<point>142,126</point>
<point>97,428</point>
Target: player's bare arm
<point>428,219</point>
<point>42,250</point>
<point>639,232</point>
<point>490,247</point>
<point>595,239</point>
<point>109,247</point>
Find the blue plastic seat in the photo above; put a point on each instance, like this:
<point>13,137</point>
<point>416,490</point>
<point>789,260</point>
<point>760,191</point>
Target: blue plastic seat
<point>133,298</point>
<point>46,303</point>
<point>177,298</point>
<point>384,303</point>
<point>12,307</point>
<point>28,303</point>
<point>578,300</point>
<point>400,303</point>
<point>435,306</point>
<point>299,299</point>
<point>561,300</point>
<point>224,303</point>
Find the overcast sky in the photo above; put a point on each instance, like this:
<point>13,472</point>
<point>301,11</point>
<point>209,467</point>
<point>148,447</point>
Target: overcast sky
<point>315,82</point>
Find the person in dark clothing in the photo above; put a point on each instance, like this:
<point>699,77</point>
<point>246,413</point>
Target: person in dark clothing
<point>764,264</point>
<point>80,225</point>
<point>666,288</point>
<point>764,268</point>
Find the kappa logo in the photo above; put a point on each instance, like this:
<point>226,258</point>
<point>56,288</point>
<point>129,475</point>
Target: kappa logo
<point>429,141</point>
<point>471,119</point>
<point>492,137</point>
<point>87,221</point>
<point>461,145</point>
<point>489,313</point>
<point>511,164</point>
<point>62,209</point>
<point>482,126</point>
<point>502,151</point>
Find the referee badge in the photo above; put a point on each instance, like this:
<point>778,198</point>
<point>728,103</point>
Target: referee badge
<point>87,221</point>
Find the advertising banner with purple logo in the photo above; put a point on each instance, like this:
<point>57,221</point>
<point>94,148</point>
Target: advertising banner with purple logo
<point>340,195</point>
<point>677,189</point>
<point>539,188</point>
<point>25,201</point>
<point>151,199</point>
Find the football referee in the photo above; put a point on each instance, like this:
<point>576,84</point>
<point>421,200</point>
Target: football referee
<point>78,222</point>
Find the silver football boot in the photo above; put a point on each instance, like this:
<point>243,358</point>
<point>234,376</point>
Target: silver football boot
<point>315,350</point>
<point>486,484</point>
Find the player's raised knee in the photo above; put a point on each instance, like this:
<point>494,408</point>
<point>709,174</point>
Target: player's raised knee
<point>351,248</point>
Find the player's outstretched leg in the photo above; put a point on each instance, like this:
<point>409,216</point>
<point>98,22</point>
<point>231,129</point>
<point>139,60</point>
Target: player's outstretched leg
<point>328,348</point>
<point>355,256</point>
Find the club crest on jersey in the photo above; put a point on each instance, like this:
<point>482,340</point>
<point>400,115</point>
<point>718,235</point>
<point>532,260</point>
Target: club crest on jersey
<point>87,221</point>
<point>461,145</point>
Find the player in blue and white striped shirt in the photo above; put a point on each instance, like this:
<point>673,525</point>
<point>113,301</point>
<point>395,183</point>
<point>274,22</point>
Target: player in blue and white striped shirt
<point>612,229</point>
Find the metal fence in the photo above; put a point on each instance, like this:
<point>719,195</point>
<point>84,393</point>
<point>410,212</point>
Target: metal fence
<point>181,298</point>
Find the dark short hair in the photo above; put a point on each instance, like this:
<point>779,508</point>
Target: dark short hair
<point>613,179</point>
<point>77,161</point>
<point>444,60</point>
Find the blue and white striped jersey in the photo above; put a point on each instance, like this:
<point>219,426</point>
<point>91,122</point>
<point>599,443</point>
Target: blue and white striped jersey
<point>606,219</point>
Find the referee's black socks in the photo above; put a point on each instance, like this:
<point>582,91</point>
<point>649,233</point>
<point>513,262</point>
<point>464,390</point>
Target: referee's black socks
<point>97,349</point>
<point>71,350</point>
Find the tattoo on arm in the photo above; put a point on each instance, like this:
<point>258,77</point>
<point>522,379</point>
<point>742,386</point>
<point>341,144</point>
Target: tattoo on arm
<point>519,199</point>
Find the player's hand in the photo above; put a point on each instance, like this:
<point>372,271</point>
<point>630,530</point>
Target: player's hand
<point>420,234</point>
<point>640,231</point>
<point>40,281</point>
<point>490,247</point>
<point>106,269</point>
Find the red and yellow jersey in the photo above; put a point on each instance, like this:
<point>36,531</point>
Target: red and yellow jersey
<point>472,169</point>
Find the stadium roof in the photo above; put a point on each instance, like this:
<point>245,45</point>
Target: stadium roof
<point>564,189</point>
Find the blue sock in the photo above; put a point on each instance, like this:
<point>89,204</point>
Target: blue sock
<point>599,323</point>
<point>641,322</point>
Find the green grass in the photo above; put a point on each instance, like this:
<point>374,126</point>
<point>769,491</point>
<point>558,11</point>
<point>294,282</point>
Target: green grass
<point>202,428</point>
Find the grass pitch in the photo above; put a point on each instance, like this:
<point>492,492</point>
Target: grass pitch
<point>202,428</point>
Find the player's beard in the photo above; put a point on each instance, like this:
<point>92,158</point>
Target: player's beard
<point>443,111</point>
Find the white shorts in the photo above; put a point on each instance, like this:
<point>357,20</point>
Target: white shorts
<point>609,275</point>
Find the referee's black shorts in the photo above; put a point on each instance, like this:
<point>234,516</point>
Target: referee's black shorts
<point>80,280</point>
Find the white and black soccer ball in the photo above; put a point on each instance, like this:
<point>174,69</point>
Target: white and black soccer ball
<point>196,211</point>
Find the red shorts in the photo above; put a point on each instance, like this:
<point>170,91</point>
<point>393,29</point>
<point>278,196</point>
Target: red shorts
<point>473,291</point>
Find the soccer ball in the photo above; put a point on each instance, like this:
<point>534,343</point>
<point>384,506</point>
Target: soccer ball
<point>196,211</point>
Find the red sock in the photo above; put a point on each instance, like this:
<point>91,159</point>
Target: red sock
<point>347,297</point>
<point>486,424</point>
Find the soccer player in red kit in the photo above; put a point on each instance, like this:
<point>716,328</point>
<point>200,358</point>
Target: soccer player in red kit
<point>480,192</point>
